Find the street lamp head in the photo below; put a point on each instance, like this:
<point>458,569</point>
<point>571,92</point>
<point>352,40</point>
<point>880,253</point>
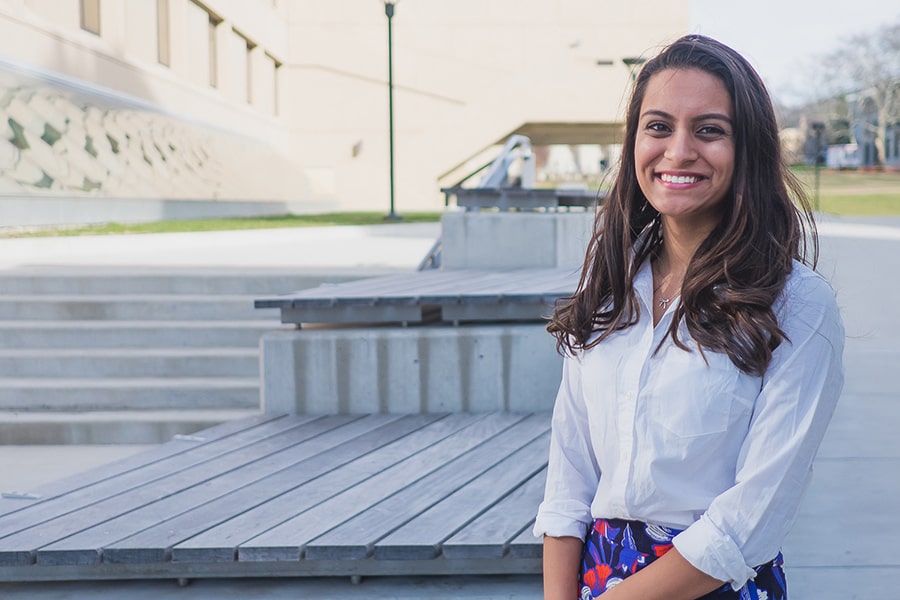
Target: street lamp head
<point>389,7</point>
<point>633,62</point>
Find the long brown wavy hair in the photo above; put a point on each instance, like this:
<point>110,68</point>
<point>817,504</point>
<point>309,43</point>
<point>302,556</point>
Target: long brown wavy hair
<point>739,270</point>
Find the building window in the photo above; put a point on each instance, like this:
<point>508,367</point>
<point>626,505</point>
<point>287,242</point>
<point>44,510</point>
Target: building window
<point>275,86</point>
<point>213,62</point>
<point>90,16</point>
<point>249,54</point>
<point>162,32</point>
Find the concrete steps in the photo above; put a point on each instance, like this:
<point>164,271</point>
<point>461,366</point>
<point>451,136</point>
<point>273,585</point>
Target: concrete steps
<point>115,356</point>
<point>90,393</point>
<point>54,363</point>
<point>128,307</point>
<point>132,334</point>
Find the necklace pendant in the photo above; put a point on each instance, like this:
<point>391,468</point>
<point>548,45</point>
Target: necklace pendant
<point>664,302</point>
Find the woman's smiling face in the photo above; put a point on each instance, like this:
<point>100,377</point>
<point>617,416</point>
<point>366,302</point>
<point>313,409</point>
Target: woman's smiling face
<point>684,149</point>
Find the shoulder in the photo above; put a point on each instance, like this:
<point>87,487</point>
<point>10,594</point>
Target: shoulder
<point>808,302</point>
<point>804,285</point>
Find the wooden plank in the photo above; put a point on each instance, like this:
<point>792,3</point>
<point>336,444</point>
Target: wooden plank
<point>211,481</point>
<point>421,538</point>
<point>324,294</point>
<point>353,314</point>
<point>177,446</point>
<point>525,545</point>
<point>308,568</point>
<point>431,286</point>
<point>225,538</point>
<point>405,286</point>
<point>489,535</point>
<point>499,311</point>
<point>414,284</point>
<point>196,451</point>
<point>520,281</point>
<point>356,537</point>
<point>155,544</point>
<point>288,540</point>
<point>56,519</point>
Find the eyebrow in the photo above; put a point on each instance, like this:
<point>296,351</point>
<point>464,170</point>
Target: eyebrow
<point>703,117</point>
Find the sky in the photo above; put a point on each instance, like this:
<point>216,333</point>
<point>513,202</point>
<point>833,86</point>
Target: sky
<point>782,37</point>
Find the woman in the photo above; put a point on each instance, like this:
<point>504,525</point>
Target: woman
<point>702,354</point>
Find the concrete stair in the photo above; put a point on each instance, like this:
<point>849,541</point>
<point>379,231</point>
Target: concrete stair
<point>120,357</point>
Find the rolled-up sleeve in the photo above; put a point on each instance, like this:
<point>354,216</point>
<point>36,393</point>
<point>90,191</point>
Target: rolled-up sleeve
<point>745,526</point>
<point>572,471</point>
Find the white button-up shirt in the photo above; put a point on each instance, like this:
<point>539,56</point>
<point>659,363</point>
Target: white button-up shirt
<point>666,438</point>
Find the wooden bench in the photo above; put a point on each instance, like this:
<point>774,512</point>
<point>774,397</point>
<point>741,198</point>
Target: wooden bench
<point>473,295</point>
<point>295,496</point>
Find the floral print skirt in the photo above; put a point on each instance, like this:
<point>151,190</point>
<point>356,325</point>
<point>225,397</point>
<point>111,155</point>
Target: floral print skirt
<point>615,549</point>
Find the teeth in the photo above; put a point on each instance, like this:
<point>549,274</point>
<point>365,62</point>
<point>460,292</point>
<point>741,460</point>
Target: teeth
<point>679,179</point>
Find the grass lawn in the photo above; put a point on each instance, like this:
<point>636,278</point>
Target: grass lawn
<point>846,193</point>
<point>851,193</point>
<point>312,220</point>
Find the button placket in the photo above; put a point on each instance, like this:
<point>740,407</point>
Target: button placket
<point>629,389</point>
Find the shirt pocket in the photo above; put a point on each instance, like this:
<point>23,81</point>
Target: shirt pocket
<point>690,397</point>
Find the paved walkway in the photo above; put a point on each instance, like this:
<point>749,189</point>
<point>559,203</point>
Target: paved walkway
<point>849,512</point>
<point>363,248</point>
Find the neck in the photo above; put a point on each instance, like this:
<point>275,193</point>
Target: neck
<point>679,245</point>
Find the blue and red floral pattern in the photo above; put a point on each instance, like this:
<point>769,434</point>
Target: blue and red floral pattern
<point>615,549</point>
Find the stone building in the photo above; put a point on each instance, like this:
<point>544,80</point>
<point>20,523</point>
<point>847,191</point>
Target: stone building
<point>165,108</point>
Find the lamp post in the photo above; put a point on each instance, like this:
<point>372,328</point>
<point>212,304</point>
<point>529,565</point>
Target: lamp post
<point>389,12</point>
<point>818,128</point>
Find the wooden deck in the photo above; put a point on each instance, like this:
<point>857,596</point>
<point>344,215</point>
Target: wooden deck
<point>431,296</point>
<point>295,496</point>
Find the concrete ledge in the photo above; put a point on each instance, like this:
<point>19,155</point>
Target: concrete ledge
<point>410,370</point>
<point>43,210</point>
<point>515,240</point>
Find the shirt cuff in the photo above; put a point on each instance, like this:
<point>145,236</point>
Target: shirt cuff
<point>714,553</point>
<point>555,525</point>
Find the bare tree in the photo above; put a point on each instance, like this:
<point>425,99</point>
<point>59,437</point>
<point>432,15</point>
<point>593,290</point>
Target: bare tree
<point>864,71</point>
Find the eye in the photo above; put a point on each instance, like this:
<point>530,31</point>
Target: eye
<point>711,131</point>
<point>658,127</point>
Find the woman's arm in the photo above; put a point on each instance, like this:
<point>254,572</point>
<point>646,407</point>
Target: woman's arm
<point>562,558</point>
<point>746,524</point>
<point>572,475</point>
<point>670,577</point>
<point>572,469</point>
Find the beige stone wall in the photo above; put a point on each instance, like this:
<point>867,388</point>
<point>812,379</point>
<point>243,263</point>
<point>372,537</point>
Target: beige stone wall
<point>47,34</point>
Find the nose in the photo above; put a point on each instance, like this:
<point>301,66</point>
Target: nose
<point>681,147</point>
